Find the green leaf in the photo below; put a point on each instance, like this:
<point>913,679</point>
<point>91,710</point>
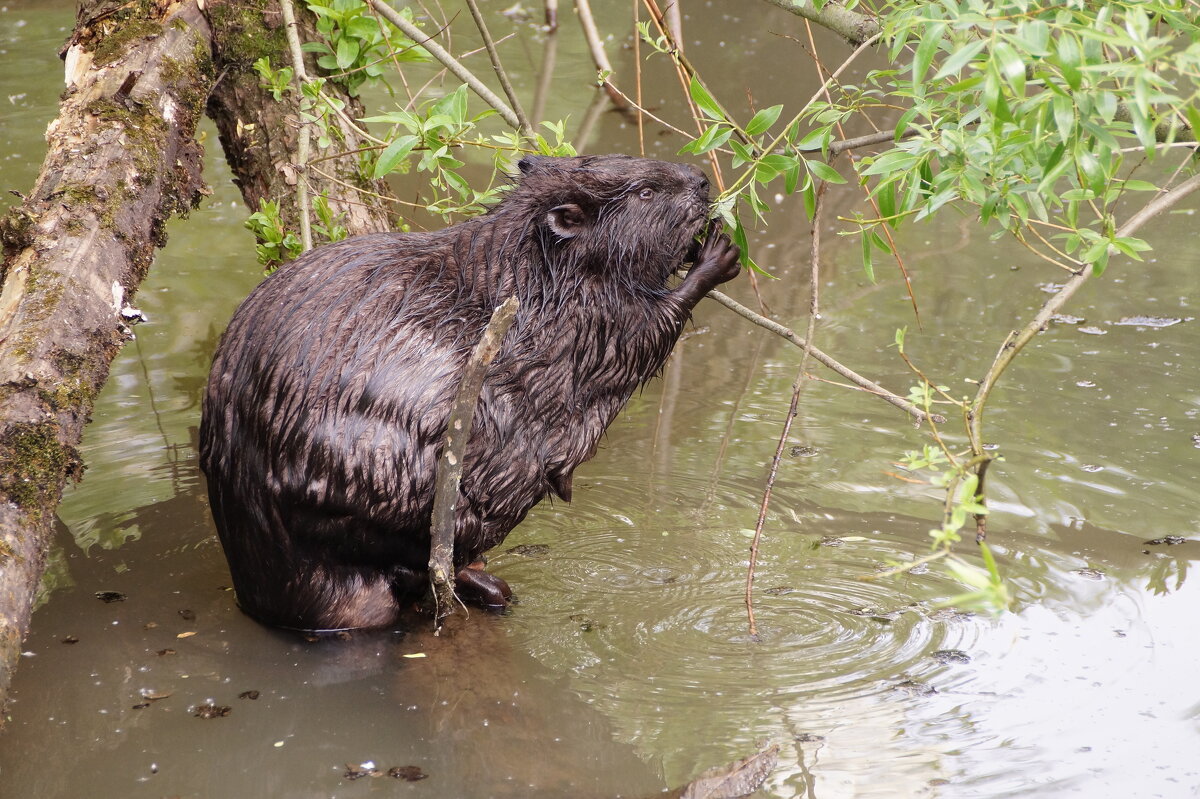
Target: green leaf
<point>1012,68</point>
<point>392,155</point>
<point>868,257</point>
<point>823,171</point>
<point>959,59</point>
<point>931,37</point>
<point>705,101</point>
<point>763,120</point>
<point>347,53</point>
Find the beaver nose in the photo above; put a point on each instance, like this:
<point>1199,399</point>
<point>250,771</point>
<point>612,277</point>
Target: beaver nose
<point>698,176</point>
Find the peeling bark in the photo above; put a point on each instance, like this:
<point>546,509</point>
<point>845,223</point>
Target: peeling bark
<point>122,158</point>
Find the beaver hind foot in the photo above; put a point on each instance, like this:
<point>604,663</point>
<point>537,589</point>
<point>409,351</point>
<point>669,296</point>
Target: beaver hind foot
<point>476,586</point>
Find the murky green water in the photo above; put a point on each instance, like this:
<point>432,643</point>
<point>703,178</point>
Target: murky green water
<point>627,667</point>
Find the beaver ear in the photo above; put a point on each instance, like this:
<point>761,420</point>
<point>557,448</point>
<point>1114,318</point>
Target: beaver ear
<point>566,220</point>
<point>530,163</point>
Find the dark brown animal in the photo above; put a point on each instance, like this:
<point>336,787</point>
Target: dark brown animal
<point>327,404</point>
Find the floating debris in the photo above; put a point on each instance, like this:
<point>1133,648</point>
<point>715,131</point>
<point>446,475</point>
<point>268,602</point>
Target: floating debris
<point>1168,540</point>
<point>1148,321</point>
<point>70,639</point>
<point>251,695</point>
<point>832,541</point>
<point>1092,330</point>
<point>187,615</point>
<point>366,769</point>
<point>212,711</point>
<point>780,590</point>
<point>1089,574</point>
<point>1067,319</point>
<point>164,652</point>
<point>110,596</point>
<point>406,773</point>
<point>804,452</point>
<point>1091,467</point>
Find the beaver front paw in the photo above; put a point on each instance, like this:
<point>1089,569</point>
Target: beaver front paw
<point>716,262</point>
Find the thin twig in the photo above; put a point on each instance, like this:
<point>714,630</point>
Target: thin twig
<point>448,61</point>
<point>526,129</point>
<point>823,359</point>
<point>301,76</point>
<point>1018,340</point>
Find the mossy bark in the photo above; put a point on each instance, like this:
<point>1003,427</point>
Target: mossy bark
<point>122,158</point>
<point>260,134</point>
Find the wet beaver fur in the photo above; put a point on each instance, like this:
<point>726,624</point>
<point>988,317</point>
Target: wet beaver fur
<point>327,403</point>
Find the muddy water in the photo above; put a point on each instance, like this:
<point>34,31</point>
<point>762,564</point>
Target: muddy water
<point>626,667</point>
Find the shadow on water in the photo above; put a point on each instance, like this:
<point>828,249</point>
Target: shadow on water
<point>626,667</point>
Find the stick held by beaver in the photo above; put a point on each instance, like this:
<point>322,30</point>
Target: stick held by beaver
<point>327,404</point>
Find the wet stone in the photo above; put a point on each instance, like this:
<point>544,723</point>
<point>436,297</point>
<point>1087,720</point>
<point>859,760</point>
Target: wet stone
<point>251,695</point>
<point>406,773</point>
<point>1148,321</point>
<point>530,550</point>
<point>187,615</point>
<point>110,596</point>
<point>1166,540</point>
<point>212,711</point>
<point>914,688</point>
<point>948,656</point>
<point>586,624</point>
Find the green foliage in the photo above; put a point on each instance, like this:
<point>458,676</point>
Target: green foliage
<point>1030,114</point>
<point>437,132</point>
<point>357,44</point>
<point>275,244</point>
<point>277,82</point>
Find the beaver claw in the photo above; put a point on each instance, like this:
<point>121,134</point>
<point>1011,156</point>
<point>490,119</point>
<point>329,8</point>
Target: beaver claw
<point>478,587</point>
<point>716,262</point>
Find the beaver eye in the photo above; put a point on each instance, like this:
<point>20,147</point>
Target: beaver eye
<point>646,194</point>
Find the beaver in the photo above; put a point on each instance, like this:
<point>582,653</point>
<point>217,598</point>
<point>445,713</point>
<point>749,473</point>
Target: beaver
<point>327,403</point>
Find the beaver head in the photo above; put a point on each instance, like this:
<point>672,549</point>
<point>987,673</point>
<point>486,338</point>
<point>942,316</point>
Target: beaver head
<point>631,220</point>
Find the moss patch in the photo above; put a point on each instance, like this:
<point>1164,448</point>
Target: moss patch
<point>121,30</point>
<point>32,461</point>
<point>248,32</point>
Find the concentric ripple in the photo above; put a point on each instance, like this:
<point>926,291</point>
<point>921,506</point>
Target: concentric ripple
<point>649,608</point>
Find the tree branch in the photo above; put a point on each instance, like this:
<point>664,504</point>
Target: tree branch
<point>850,25</point>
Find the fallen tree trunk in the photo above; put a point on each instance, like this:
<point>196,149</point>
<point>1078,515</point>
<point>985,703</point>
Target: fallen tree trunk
<point>122,158</point>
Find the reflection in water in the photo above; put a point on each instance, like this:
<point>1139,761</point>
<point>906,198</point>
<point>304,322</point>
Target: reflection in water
<point>626,666</point>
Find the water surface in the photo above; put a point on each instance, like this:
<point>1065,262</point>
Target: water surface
<point>627,667</point>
